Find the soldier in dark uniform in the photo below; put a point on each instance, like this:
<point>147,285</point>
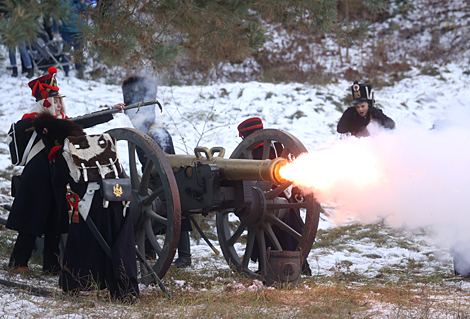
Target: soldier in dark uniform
<point>136,89</point>
<point>356,118</point>
<point>40,206</point>
<point>292,218</point>
<point>86,265</point>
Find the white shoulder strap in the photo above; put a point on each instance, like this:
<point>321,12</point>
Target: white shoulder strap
<point>35,150</point>
<point>30,150</point>
<point>84,204</point>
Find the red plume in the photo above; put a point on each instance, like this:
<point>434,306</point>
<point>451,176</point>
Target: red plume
<point>52,70</point>
<point>53,152</point>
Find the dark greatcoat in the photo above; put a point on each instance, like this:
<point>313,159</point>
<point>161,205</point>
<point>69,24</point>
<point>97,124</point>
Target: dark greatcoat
<point>40,207</point>
<point>352,122</point>
<point>37,197</point>
<point>85,264</point>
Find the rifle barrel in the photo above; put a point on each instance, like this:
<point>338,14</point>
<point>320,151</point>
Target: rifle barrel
<point>111,111</point>
<point>117,110</point>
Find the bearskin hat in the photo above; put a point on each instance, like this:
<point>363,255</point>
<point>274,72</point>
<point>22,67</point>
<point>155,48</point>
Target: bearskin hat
<point>138,88</point>
<point>53,131</point>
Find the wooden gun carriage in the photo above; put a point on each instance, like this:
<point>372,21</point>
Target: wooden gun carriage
<point>247,196</point>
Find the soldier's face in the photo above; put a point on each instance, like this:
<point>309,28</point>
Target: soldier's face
<point>57,105</point>
<point>362,108</point>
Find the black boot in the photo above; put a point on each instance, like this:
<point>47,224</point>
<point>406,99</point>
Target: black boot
<point>30,73</point>
<point>184,251</point>
<point>15,72</point>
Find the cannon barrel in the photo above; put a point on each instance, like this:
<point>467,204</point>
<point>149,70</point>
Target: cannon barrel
<point>232,169</point>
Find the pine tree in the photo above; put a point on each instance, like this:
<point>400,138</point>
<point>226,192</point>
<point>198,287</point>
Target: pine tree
<point>156,33</point>
<point>353,21</point>
<point>20,21</point>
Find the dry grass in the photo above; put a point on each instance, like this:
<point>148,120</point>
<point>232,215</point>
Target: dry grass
<point>238,297</point>
<point>403,290</point>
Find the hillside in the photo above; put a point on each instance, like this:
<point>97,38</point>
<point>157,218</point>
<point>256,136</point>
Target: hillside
<point>366,263</point>
<point>420,34</point>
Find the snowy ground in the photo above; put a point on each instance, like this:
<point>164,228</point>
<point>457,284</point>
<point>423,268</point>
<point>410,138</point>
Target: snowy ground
<point>209,115</point>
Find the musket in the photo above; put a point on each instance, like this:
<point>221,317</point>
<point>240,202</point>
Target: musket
<point>117,110</point>
<point>113,110</point>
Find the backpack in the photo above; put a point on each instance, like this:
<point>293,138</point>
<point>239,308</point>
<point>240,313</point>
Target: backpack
<point>94,159</point>
<point>91,158</point>
<point>23,144</point>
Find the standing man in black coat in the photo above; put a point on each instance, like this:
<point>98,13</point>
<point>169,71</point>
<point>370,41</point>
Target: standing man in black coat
<point>356,118</point>
<point>136,89</point>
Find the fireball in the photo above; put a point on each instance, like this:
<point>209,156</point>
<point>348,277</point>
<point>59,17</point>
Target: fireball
<point>324,169</point>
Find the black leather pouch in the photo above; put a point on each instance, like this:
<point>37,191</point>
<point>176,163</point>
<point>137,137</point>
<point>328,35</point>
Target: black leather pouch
<point>115,190</point>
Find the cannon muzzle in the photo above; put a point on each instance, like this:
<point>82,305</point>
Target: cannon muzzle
<point>232,169</point>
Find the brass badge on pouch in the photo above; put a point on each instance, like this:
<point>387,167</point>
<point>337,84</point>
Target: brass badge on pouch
<point>117,190</point>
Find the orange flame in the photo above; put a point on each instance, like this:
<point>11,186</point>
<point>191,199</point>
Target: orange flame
<point>323,170</point>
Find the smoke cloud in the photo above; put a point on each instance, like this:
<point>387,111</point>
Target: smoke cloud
<point>138,89</point>
<point>410,177</point>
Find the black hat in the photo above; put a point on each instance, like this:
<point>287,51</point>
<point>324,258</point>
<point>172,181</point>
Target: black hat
<point>138,88</point>
<point>361,92</point>
<point>45,86</point>
<point>249,126</point>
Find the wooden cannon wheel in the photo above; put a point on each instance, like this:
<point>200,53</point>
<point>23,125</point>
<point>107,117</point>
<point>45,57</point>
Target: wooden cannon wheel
<point>237,234</point>
<point>155,205</point>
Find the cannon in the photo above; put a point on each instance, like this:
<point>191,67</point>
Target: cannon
<point>248,197</point>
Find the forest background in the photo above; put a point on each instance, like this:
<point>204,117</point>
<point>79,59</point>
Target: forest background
<point>195,42</point>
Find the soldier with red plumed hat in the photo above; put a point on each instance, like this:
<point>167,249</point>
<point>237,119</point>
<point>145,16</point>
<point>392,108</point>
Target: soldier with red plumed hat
<point>40,207</point>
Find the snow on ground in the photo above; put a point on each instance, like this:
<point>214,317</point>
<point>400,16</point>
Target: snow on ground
<point>209,115</point>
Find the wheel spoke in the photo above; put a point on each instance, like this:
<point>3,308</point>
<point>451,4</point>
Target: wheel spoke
<point>140,240</point>
<point>147,201</point>
<point>269,231</point>
<point>133,166</point>
<point>283,226</point>
<point>154,216</point>
<point>278,190</point>
<point>247,154</point>
<point>151,237</point>
<point>144,183</point>
<point>262,250</point>
<point>250,242</point>
<point>232,240</point>
<point>266,149</point>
